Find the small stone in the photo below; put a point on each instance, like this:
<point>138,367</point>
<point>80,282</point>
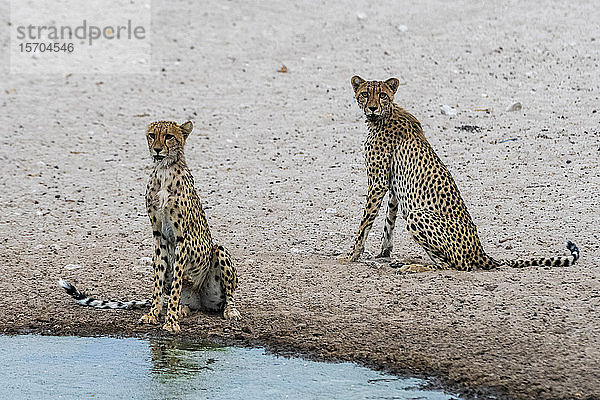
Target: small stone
<point>246,329</point>
<point>72,266</point>
<point>145,261</point>
<point>331,211</point>
<point>295,250</point>
<point>447,110</point>
<point>144,269</point>
<point>402,28</point>
<point>517,106</point>
<point>361,16</point>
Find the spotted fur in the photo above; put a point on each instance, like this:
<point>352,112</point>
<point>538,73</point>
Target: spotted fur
<point>401,161</point>
<point>196,273</point>
<point>184,251</point>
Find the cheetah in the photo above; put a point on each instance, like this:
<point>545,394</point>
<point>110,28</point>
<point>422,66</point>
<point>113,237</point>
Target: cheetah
<point>401,161</point>
<point>197,273</point>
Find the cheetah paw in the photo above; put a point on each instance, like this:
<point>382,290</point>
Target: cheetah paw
<point>231,313</point>
<point>184,311</point>
<point>350,257</point>
<point>172,327</point>
<point>149,319</point>
<point>405,269</point>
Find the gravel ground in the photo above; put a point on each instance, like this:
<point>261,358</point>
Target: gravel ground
<point>272,152</point>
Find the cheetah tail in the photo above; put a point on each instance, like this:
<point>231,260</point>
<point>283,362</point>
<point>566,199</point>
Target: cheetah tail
<point>547,261</point>
<point>85,300</point>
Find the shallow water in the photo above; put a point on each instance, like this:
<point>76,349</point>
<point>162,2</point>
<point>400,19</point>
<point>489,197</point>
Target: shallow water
<point>48,367</point>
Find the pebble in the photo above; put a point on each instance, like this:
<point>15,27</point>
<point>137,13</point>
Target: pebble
<point>145,261</point>
<point>72,266</point>
<point>402,28</point>
<point>331,211</point>
<point>447,110</point>
<point>514,107</point>
<point>145,269</point>
<point>361,16</point>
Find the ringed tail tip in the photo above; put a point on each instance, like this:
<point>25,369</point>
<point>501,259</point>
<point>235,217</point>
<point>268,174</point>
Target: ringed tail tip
<point>572,247</point>
<point>66,285</point>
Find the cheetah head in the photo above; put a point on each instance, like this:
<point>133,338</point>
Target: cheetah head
<point>374,97</point>
<point>166,140</point>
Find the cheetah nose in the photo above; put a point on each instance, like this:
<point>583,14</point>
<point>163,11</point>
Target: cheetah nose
<point>373,109</point>
<point>157,150</point>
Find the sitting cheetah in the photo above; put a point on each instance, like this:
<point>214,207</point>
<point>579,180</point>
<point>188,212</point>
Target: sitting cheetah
<point>400,160</point>
<point>197,273</point>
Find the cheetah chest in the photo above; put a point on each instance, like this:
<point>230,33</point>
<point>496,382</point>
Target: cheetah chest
<point>167,228</point>
<point>163,200</point>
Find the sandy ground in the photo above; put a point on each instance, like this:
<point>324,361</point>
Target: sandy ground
<point>273,151</point>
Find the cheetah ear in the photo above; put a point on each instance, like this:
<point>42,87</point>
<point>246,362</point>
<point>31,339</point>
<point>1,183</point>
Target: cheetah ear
<point>392,84</point>
<point>186,127</point>
<point>356,81</point>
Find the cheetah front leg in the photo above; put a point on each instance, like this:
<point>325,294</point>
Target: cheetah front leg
<point>229,281</point>
<point>388,230</point>
<point>172,323</point>
<point>160,264</point>
<point>374,199</point>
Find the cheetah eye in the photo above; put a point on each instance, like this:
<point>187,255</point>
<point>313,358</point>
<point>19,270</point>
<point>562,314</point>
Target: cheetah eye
<point>382,95</point>
<point>364,94</point>
<point>169,137</point>
<point>151,136</point>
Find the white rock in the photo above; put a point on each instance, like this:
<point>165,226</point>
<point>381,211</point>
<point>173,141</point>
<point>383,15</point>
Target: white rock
<point>331,211</point>
<point>72,266</point>
<point>295,250</point>
<point>447,110</point>
<point>145,269</point>
<point>402,28</point>
<point>361,16</point>
<point>514,107</point>
<point>39,213</point>
<point>145,261</point>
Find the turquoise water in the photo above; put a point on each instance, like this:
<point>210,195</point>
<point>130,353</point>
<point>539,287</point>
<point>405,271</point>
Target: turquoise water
<point>49,367</point>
